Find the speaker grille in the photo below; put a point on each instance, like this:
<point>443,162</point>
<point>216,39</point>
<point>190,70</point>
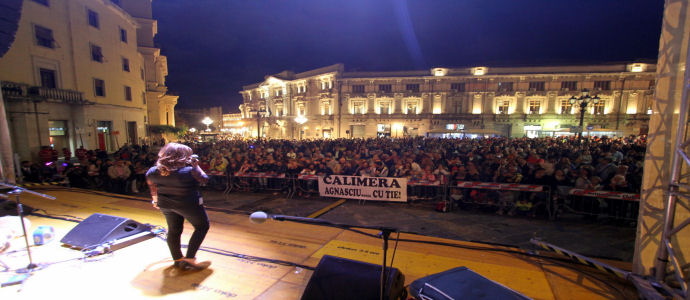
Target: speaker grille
<point>341,278</point>
<point>99,228</point>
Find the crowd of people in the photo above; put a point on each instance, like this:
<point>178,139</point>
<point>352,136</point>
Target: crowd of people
<point>611,164</point>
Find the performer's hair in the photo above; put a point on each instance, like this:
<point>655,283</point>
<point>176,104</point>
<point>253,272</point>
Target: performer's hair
<point>172,157</point>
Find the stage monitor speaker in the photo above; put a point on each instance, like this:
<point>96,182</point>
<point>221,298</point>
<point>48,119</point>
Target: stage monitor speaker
<point>341,278</point>
<point>461,283</point>
<point>98,229</point>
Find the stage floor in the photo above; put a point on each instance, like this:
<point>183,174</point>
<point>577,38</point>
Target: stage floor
<point>144,270</point>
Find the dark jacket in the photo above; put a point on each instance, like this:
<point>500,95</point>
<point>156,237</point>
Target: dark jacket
<point>177,190</point>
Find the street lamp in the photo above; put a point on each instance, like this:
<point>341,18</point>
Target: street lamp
<point>192,130</point>
<point>258,122</point>
<point>300,119</point>
<point>583,101</point>
<point>207,121</point>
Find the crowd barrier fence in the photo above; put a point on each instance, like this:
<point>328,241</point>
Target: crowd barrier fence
<point>608,204</point>
<point>507,197</point>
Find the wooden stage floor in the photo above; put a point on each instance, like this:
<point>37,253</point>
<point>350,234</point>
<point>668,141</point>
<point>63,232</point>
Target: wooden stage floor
<point>143,270</point>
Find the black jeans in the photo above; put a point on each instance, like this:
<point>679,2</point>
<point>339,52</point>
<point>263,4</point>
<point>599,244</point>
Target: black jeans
<point>196,215</point>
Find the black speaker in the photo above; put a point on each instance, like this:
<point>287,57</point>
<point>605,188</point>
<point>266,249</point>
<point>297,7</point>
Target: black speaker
<point>99,228</point>
<point>461,283</point>
<point>341,278</point>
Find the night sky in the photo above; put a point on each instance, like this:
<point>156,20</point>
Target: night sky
<point>214,47</point>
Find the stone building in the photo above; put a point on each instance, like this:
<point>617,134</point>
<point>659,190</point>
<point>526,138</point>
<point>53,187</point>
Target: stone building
<point>83,72</point>
<point>479,101</point>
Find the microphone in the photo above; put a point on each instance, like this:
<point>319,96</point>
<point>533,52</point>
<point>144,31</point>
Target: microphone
<point>194,156</point>
<point>258,217</point>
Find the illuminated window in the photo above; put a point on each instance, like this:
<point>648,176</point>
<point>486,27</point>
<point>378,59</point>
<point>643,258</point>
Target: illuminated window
<point>503,106</point>
<point>458,86</point>
<point>384,107</point>
<point>411,108</point>
<point>385,88</point>
<point>533,106</point>
<point>44,36</point>
<point>602,85</point>
<point>505,86</point>
<point>93,18</point>
<point>412,87</point>
<point>279,92</point>
<point>568,85</point>
<point>598,108</point>
<point>358,107</point>
<point>566,107</point>
<point>325,108</point>
<point>301,110</point>
<point>536,86</point>
<point>96,53</point>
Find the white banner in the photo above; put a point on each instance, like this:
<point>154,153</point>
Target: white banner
<point>364,188</point>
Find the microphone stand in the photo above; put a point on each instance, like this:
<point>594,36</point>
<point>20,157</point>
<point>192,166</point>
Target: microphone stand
<point>384,235</point>
<point>16,192</point>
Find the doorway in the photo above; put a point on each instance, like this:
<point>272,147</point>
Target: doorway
<point>132,133</point>
<point>104,135</point>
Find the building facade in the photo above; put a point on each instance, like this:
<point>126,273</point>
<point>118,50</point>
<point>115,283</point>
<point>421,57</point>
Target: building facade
<point>77,75</point>
<point>480,101</point>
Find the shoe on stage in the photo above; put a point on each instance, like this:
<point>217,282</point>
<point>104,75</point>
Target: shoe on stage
<point>187,264</point>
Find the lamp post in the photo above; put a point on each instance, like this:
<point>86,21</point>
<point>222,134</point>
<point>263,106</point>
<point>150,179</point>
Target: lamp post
<point>207,121</point>
<point>300,119</point>
<point>583,101</point>
<point>258,122</point>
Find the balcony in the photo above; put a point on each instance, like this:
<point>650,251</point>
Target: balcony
<point>535,92</point>
<point>388,94</point>
<point>359,95</point>
<point>28,92</point>
<point>413,93</point>
<point>327,93</point>
<point>505,92</point>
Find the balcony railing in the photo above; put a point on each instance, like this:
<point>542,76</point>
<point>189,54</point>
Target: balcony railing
<point>21,90</point>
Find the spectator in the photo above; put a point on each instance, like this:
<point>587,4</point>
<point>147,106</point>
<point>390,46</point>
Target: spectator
<point>118,174</point>
<point>30,172</point>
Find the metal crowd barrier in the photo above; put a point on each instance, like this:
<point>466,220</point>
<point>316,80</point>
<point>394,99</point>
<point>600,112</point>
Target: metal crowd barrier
<point>255,181</point>
<point>507,197</point>
<point>304,183</point>
<point>426,190</point>
<point>610,204</point>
